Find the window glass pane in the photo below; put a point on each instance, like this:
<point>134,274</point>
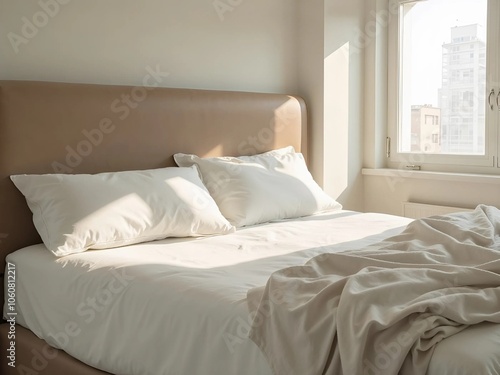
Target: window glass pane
<point>443,77</point>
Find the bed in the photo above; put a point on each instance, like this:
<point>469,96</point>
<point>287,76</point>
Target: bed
<point>106,317</point>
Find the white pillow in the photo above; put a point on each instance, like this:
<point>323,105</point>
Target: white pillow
<point>260,188</point>
<point>73,213</point>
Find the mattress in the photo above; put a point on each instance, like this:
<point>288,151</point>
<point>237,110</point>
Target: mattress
<point>178,306</point>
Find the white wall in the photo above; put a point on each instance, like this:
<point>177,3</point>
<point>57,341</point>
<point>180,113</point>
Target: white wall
<point>331,80</point>
<point>249,46</point>
<point>311,39</point>
<point>287,46</point>
<point>386,194</point>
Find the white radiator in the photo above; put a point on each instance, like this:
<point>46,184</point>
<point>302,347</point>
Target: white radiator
<point>419,210</point>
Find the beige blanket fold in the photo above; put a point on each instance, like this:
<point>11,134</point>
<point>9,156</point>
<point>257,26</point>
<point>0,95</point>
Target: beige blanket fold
<point>383,309</point>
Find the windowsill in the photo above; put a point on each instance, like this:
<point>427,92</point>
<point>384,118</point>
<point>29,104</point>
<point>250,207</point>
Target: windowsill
<point>436,176</point>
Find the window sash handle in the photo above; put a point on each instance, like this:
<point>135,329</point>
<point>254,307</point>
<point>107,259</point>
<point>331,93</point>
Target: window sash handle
<point>492,92</point>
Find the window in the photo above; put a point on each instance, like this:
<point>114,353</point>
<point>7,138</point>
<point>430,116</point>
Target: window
<point>431,119</point>
<point>444,89</point>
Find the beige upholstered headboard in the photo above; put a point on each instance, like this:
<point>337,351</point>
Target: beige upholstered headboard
<point>77,128</point>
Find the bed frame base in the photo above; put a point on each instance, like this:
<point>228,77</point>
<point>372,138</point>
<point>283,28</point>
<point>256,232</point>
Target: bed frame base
<point>33,356</point>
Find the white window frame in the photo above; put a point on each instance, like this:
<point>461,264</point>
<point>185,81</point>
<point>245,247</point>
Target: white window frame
<point>489,163</point>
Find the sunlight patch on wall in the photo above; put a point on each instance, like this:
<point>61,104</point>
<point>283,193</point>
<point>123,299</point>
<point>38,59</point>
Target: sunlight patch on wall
<point>336,126</point>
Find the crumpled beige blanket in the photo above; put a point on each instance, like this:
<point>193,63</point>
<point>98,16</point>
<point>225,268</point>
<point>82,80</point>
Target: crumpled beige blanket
<point>382,310</point>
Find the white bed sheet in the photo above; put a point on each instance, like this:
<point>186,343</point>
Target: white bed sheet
<point>178,306</point>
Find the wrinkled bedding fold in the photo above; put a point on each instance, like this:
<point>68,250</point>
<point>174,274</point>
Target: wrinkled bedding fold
<point>382,309</point>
